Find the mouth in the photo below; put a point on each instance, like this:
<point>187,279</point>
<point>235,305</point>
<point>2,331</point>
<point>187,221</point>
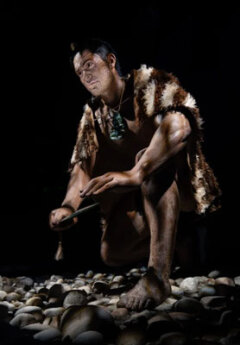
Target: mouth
<point>92,82</point>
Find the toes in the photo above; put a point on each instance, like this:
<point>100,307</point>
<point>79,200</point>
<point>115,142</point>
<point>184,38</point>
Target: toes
<point>135,304</point>
<point>122,302</point>
<point>148,303</point>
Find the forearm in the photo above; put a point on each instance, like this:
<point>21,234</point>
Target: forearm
<point>78,180</point>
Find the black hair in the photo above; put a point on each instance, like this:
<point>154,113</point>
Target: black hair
<point>95,46</point>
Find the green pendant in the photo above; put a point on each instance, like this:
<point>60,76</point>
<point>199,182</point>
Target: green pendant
<point>118,127</point>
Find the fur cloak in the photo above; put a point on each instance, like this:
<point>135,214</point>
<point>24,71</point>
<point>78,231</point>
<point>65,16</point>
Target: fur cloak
<point>156,92</point>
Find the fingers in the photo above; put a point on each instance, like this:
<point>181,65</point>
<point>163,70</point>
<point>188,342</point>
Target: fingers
<point>95,185</point>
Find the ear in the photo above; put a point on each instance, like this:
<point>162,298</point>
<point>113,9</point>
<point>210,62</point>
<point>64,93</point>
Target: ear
<point>111,59</point>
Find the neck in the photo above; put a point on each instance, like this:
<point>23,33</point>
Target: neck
<point>112,97</point>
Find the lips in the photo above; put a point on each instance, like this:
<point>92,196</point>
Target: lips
<point>92,82</point>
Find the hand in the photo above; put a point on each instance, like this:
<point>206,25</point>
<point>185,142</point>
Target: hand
<point>57,215</point>
<point>117,180</point>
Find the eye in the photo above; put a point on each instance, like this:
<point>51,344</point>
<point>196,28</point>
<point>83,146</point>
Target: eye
<point>89,64</point>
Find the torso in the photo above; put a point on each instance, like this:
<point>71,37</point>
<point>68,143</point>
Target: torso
<point>119,155</point>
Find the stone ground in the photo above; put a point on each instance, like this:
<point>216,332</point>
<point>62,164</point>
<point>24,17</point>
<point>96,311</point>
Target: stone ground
<point>82,309</point>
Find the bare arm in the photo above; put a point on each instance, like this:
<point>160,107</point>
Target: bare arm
<point>78,180</point>
<point>169,139</point>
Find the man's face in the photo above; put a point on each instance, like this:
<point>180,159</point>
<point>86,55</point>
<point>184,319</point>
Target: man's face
<point>94,73</point>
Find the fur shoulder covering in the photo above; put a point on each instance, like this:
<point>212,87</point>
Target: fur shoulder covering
<point>86,141</point>
<point>159,92</point>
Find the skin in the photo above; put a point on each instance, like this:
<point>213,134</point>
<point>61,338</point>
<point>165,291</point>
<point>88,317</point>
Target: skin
<point>158,151</point>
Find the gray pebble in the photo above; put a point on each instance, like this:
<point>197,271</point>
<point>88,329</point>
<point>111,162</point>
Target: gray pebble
<point>3,294</point>
<point>118,279</point>
<point>189,305</point>
<point>13,296</point>
<point>34,301</point>
<point>51,312</point>
<point>89,274</point>
<point>75,297</point>
<point>213,301</point>
<point>173,338</point>
<point>100,286</point>
<point>207,291</point>
<point>89,338</point>
<point>225,281</point>
<point>56,290</point>
<point>10,306</point>
<point>237,280</point>
<point>189,285</point>
<point>76,320</point>
<point>176,291</point>
<point>50,334</point>
<point>29,309</point>
<point>36,327</point>
<point>24,282</point>
<point>214,274</point>
<point>22,320</point>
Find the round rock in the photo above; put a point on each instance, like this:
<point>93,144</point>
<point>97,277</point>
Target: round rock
<point>49,335</point>
<point>189,305</point>
<point>76,320</point>
<point>75,297</point>
<point>132,335</point>
<point>89,338</point>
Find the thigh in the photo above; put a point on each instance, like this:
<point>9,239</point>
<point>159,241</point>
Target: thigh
<point>126,223</point>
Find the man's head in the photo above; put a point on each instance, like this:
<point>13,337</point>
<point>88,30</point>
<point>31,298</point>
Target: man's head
<point>96,64</point>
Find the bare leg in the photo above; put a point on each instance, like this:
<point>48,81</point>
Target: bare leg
<point>161,204</point>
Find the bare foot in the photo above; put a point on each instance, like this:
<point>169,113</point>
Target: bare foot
<point>150,290</point>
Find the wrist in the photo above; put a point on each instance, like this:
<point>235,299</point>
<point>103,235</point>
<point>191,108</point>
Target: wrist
<point>70,207</point>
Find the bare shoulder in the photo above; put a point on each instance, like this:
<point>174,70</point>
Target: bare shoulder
<point>175,120</point>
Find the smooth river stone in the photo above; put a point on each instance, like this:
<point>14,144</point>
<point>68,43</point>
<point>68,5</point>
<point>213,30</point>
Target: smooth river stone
<point>76,320</point>
<point>89,338</point>
<point>34,310</point>
<point>118,279</point>
<point>167,305</point>
<point>132,335</point>
<point>213,301</point>
<point>50,335</point>
<point>34,301</point>
<point>189,285</point>
<point>22,320</point>
<point>56,290</point>
<point>189,305</point>
<point>214,274</point>
<point>207,291</point>
<point>173,338</point>
<point>51,312</point>
<point>75,297</point>
<point>36,327</point>
<point>177,291</point>
<point>3,294</point>
<point>159,324</point>
<point>100,286</point>
<point>237,280</point>
<point>10,306</point>
<point>24,282</point>
<point>98,276</point>
<point>225,281</point>
<point>13,296</point>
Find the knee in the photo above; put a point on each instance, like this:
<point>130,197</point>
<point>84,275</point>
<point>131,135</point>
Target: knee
<point>107,256</point>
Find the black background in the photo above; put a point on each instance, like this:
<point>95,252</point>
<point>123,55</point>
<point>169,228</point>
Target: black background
<point>42,99</point>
